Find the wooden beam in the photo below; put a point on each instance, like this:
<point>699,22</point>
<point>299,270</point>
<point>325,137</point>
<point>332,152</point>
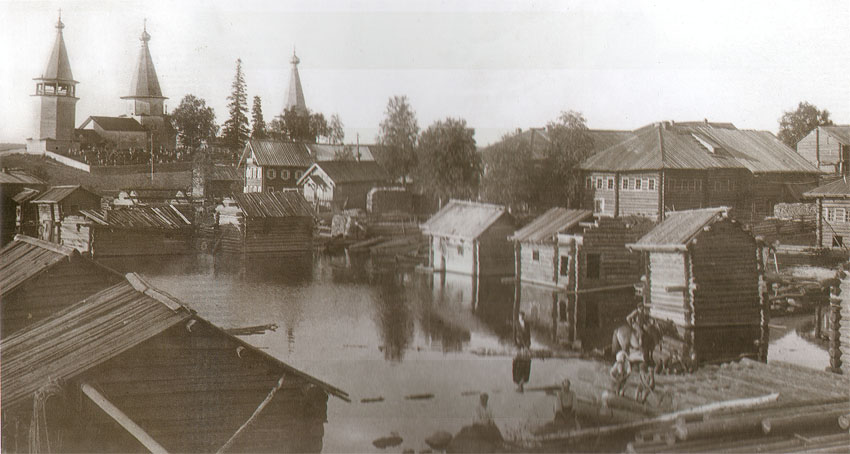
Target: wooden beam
<point>122,419</point>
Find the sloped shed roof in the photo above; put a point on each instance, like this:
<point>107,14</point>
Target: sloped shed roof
<point>839,188</point>
<point>841,133</point>
<point>679,228</point>
<point>273,204</point>
<point>463,219</point>
<point>26,257</point>
<point>58,193</point>
<point>549,224</point>
<point>159,218</point>
<point>352,171</point>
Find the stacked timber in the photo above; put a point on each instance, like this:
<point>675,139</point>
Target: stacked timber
<point>787,231</point>
<point>791,294</point>
<point>407,250</point>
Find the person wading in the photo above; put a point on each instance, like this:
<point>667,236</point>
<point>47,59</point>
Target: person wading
<point>522,361</point>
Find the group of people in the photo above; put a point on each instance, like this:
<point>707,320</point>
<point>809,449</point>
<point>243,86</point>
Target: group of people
<point>109,156</point>
<point>631,357</point>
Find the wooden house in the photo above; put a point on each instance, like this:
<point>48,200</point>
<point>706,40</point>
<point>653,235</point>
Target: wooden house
<point>38,278</point>
<point>342,184</point>
<point>131,369</point>
<point>265,223</point>
<point>58,202</point>
<point>26,213</point>
<point>471,238</point>
<point>705,276</point>
<point>122,133</point>
<point>15,185</point>
<point>273,165</point>
<point>833,213</point>
<point>575,279</point>
<point>828,148</point>
<point>680,166</point>
<point>129,231</point>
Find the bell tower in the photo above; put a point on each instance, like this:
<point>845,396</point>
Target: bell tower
<point>55,90</point>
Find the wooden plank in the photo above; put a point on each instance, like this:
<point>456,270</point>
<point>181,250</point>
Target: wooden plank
<point>123,420</point>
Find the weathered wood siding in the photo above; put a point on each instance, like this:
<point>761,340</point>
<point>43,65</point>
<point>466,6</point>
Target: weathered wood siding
<point>279,178</point>
<point>495,252</point>
<point>820,149</point>
<point>76,233</point>
<point>544,270</point>
<point>126,242</point>
<point>726,274</point>
<point>617,264</point>
<point>64,284</point>
<point>601,186</point>
<point>685,189</point>
<point>728,187</point>
<point>353,195</point>
<point>266,236</point>
<point>453,254</point>
<point>769,189</point>
<point>191,390</point>
<point>639,200</point>
<point>835,222</point>
<point>669,285</point>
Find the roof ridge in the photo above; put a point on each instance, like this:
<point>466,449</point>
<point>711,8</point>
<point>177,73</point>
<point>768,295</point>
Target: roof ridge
<point>143,286</point>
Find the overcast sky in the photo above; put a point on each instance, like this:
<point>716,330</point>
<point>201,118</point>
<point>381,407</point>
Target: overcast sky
<point>499,65</point>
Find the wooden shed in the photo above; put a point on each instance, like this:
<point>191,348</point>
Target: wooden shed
<point>342,184</point>
<point>471,238</point>
<point>16,188</point>
<point>833,213</point>
<point>575,279</point>
<point>58,202</point>
<point>705,275</point>
<point>828,148</point>
<point>39,278</point>
<point>129,231</point>
<point>131,369</point>
<point>264,223</point>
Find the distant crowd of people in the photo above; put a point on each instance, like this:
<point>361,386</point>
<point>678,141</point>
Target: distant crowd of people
<point>108,156</point>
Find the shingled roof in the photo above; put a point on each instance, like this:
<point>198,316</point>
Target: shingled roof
<point>549,224</point>
<point>679,228</point>
<point>26,257</point>
<point>463,219</point>
<point>145,83</point>
<point>699,146</point>
<point>841,133</point>
<point>276,153</point>
<point>57,194</point>
<point>139,217</point>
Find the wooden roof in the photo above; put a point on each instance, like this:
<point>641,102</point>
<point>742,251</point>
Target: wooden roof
<point>700,146</point>
<point>273,204</point>
<point>165,217</point>
<point>26,257</point>
<point>57,194</point>
<point>341,172</point>
<point>58,64</point>
<point>839,189</point>
<point>679,228</point>
<point>120,124</point>
<point>463,219</point>
<point>549,224</point>
<point>841,133</point>
<point>277,153</point>
<point>18,176</point>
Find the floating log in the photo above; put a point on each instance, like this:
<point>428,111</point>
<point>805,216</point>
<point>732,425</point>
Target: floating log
<point>251,330</point>
<point>796,422</point>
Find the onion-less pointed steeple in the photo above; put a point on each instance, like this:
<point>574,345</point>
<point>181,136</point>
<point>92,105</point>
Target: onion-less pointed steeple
<point>145,92</point>
<point>295,95</point>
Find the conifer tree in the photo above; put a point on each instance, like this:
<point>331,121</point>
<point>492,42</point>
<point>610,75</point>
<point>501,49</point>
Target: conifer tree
<point>259,126</point>
<point>236,127</point>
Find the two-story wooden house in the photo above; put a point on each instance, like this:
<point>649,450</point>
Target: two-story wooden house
<point>679,166</point>
<point>833,213</point>
<point>273,165</point>
<point>828,148</point>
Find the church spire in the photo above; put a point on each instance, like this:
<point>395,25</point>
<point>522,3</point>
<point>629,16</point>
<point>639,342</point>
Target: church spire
<point>58,66</point>
<point>144,88</point>
<point>295,96</point>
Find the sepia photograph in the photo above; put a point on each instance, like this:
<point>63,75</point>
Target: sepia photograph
<point>411,227</point>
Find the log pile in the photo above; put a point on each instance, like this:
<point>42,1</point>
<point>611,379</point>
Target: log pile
<point>790,294</point>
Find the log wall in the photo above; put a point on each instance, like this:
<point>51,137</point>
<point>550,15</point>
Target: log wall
<point>609,238</point>
<point>669,284</point>
<point>840,226</point>
<point>643,202</point>
<point>544,270</point>
<point>495,252</point>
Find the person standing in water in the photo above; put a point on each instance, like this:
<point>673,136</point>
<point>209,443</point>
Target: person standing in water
<point>565,413</point>
<point>522,361</point>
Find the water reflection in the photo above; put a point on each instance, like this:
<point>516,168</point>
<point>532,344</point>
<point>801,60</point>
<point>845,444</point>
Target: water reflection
<point>393,316</point>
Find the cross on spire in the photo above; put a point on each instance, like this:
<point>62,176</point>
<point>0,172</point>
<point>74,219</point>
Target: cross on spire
<point>59,23</point>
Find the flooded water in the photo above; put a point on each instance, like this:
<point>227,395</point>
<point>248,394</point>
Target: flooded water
<point>382,335</point>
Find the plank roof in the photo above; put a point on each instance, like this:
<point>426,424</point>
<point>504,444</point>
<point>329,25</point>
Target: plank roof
<point>165,217</point>
<point>273,204</point>
<point>841,133</point>
<point>276,153</point>
<point>56,194</point>
<point>18,176</point>
<point>679,228</point>
<point>26,257</point>
<point>699,146</point>
<point>224,173</point>
<point>546,226</point>
<point>463,219</point>
<point>25,196</point>
<point>122,124</point>
<point>839,188</point>
<point>95,330</point>
<point>341,172</point>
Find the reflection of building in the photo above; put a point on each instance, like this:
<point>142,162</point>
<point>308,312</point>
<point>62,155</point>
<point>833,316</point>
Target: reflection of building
<point>471,238</point>
<point>474,304</point>
<point>130,368</point>
<point>56,93</point>
<point>704,276</point>
<point>576,278</point>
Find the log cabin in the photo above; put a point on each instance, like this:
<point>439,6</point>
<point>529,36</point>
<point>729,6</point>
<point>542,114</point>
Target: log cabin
<point>39,278</point>
<point>681,166</point>
<point>131,369</point>
<point>265,223</point>
<point>273,165</point>
<point>14,185</point>
<point>705,276</point>
<point>58,202</point>
<point>342,184</point>
<point>576,279</point>
<point>470,238</point>
<point>26,213</point>
<point>129,231</point>
<point>833,213</point>
<point>828,148</point>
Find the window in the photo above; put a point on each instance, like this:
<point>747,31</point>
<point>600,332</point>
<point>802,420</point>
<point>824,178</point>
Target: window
<point>625,183</point>
<point>840,214</point>
<point>610,183</point>
<point>838,241</point>
<point>593,266</point>
<point>588,183</point>
<point>284,174</point>
<point>730,184</point>
<point>298,174</point>
<point>460,250</point>
<point>565,265</point>
<point>562,311</point>
<point>271,174</point>
<point>598,205</point>
<point>248,172</point>
<point>652,184</point>
<point>830,214</point>
<point>599,183</point>
<point>535,255</point>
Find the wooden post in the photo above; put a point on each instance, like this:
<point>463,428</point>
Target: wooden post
<point>122,419</point>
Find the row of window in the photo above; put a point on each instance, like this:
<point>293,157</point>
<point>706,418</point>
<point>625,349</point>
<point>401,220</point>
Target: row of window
<point>639,184</point>
<point>593,264</point>
<point>252,188</point>
<point>649,184</point>
<point>835,214</point>
<point>271,174</point>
